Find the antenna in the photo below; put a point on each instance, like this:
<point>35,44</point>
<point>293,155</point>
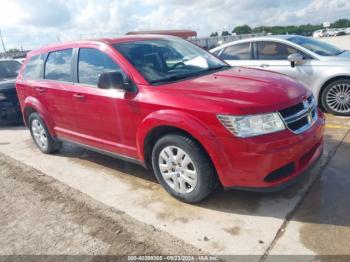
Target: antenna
<point>2,41</point>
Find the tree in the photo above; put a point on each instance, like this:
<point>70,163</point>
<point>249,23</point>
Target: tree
<point>341,23</point>
<point>214,34</point>
<point>242,29</point>
<point>13,50</point>
<point>225,33</point>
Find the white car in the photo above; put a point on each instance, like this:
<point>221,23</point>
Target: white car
<point>319,33</point>
<point>323,68</point>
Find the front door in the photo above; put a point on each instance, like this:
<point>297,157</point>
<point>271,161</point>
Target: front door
<point>100,111</point>
<point>273,56</point>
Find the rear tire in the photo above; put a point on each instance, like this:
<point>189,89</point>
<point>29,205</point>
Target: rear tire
<point>183,168</point>
<point>41,135</point>
<point>335,98</point>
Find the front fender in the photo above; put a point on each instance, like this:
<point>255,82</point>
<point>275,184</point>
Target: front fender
<point>32,102</point>
<point>186,122</point>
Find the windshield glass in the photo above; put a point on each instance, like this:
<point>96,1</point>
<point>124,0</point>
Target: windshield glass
<point>318,47</point>
<point>166,60</point>
<point>9,69</point>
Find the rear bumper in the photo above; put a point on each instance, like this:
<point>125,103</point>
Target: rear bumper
<point>271,162</point>
<point>10,113</point>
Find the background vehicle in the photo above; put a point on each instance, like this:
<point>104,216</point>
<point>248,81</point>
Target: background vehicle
<point>167,104</point>
<point>9,106</point>
<point>323,68</point>
<point>319,33</point>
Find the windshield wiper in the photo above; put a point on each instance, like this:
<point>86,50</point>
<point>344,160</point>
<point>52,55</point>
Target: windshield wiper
<point>218,67</point>
<point>171,78</point>
<point>183,76</point>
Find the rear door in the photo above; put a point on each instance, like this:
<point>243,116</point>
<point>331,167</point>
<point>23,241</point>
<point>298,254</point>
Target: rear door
<point>55,91</point>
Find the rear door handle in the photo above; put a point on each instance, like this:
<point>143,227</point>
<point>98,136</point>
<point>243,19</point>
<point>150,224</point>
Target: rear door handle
<point>40,90</point>
<point>264,65</point>
<point>79,96</point>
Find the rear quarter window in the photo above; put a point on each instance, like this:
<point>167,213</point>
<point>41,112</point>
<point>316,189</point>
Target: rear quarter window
<point>33,68</point>
<point>58,65</point>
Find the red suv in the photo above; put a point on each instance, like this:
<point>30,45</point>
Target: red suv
<point>166,104</point>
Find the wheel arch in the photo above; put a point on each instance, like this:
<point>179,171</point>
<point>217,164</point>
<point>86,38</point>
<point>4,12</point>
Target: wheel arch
<point>32,105</point>
<point>326,83</point>
<point>166,122</point>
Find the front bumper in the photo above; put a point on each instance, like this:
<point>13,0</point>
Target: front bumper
<point>10,113</point>
<point>270,162</point>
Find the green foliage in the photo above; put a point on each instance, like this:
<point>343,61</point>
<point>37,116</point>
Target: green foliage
<point>341,23</point>
<point>306,29</point>
<point>242,29</point>
<point>214,34</point>
<point>225,33</point>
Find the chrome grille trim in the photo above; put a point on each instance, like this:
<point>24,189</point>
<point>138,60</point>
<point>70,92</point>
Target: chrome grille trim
<point>308,114</point>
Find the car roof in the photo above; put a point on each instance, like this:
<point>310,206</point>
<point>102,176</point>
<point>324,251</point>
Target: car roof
<point>258,38</point>
<point>99,41</point>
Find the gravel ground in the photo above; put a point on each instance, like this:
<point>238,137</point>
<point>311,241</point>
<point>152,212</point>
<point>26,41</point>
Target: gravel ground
<point>67,221</point>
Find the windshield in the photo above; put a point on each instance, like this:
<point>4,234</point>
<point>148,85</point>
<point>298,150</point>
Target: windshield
<point>9,69</point>
<point>166,60</point>
<point>318,47</point>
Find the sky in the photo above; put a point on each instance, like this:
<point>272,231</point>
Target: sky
<point>34,23</point>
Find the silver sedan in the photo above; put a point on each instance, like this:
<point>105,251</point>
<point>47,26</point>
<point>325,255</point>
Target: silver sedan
<point>323,68</point>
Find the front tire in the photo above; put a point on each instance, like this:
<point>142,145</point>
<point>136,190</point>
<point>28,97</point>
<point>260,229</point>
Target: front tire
<point>41,135</point>
<point>336,98</point>
<point>183,168</point>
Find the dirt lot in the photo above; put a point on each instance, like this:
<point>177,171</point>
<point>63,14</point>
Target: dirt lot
<point>40,215</point>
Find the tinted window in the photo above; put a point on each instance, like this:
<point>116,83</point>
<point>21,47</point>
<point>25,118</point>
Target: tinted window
<point>236,52</point>
<point>58,65</point>
<point>33,68</point>
<point>274,51</point>
<point>318,47</point>
<point>9,68</point>
<point>92,63</point>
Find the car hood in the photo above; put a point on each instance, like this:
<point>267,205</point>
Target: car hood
<point>345,56</point>
<point>242,90</point>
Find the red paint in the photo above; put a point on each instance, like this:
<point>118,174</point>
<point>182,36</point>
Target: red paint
<point>119,122</point>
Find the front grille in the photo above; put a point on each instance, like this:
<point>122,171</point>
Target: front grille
<point>300,117</point>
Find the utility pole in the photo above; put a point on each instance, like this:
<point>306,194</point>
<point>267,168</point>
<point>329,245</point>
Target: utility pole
<point>2,41</point>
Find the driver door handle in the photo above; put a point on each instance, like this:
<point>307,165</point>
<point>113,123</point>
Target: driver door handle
<point>40,90</point>
<point>79,96</point>
<point>264,65</point>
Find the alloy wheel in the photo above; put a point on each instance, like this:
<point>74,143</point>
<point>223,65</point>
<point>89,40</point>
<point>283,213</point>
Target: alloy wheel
<point>338,98</point>
<point>177,169</point>
<point>39,134</point>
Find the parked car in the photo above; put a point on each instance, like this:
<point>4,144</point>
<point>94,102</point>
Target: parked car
<point>10,112</point>
<point>319,33</point>
<point>167,104</point>
<point>322,67</point>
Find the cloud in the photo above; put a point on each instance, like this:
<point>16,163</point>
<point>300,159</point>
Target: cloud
<point>34,23</point>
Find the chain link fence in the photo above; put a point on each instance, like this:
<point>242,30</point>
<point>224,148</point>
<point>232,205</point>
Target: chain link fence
<point>205,42</point>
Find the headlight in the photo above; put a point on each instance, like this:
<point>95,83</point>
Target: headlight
<point>253,125</point>
<point>2,97</point>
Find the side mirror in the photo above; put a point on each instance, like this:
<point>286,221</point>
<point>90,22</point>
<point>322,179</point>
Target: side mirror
<point>295,59</point>
<point>116,80</point>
